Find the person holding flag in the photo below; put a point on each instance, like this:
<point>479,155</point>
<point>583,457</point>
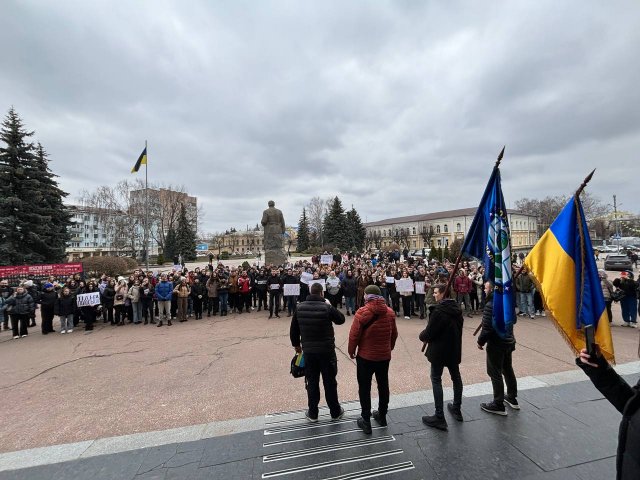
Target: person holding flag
<point>563,267</point>
<point>489,239</point>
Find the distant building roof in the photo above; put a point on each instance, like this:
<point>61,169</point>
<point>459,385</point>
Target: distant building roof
<point>426,217</point>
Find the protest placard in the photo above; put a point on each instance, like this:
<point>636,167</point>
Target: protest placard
<point>419,288</point>
<point>326,259</point>
<point>404,285</point>
<point>88,299</point>
<point>306,277</point>
<point>291,289</point>
<point>274,286</point>
<point>321,281</point>
<point>390,280</point>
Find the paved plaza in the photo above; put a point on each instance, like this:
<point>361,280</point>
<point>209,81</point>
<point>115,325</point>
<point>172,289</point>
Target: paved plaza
<point>148,391</point>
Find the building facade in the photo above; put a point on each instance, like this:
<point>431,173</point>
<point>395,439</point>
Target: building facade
<point>89,236</point>
<point>440,229</point>
<point>249,241</point>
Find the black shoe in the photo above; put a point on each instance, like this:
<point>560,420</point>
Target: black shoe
<point>364,425</point>
<point>153,321</point>
<point>340,415</point>
<point>169,323</point>
<point>310,418</point>
<point>455,412</point>
<point>159,324</point>
<point>277,316</point>
<point>348,314</point>
<point>434,421</point>
<point>381,419</point>
<point>146,322</point>
<point>512,402</point>
<point>270,316</point>
<point>493,407</point>
<point>421,317</point>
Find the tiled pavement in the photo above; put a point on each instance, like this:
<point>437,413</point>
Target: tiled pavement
<point>562,432</point>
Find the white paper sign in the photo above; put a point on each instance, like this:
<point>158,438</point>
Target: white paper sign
<point>321,281</point>
<point>306,277</point>
<point>404,285</point>
<point>326,259</point>
<point>420,288</point>
<point>291,289</point>
<point>390,280</point>
<point>88,299</point>
<point>274,286</point>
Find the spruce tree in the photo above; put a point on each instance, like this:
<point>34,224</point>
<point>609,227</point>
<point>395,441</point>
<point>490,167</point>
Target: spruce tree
<point>33,221</point>
<point>356,231</point>
<point>334,226</point>
<point>52,207</point>
<point>170,251</point>
<point>303,232</point>
<point>185,236</point>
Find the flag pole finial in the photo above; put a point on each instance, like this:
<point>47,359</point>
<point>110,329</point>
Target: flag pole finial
<point>585,182</point>
<point>500,155</point>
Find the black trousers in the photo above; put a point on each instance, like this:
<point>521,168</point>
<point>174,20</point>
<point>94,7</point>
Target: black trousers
<point>244,300</point>
<point>420,303</point>
<point>147,309</point>
<point>436,385</point>
<point>107,313</point>
<point>19,323</point>
<point>366,370</point>
<point>213,306</point>
<point>262,299</point>
<point>46,311</point>
<point>197,307</point>
<point>498,366</point>
<point>406,306</point>
<point>325,364</point>
<point>274,300</point>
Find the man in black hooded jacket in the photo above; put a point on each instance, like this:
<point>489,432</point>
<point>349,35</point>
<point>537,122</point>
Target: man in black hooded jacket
<point>312,326</point>
<point>443,336</point>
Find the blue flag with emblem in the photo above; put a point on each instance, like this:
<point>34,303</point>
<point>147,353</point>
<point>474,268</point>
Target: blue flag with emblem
<point>489,240</point>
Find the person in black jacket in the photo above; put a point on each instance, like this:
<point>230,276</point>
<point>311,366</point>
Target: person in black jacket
<point>197,294</point>
<point>274,285</point>
<point>48,299</point>
<point>499,360</point>
<point>350,290</point>
<point>65,307</point>
<point>626,400</point>
<point>312,322</point>
<point>443,336</point>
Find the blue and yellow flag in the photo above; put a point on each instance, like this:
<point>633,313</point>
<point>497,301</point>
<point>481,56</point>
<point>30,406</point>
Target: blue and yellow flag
<point>563,268</point>
<point>142,160</point>
<point>489,239</point>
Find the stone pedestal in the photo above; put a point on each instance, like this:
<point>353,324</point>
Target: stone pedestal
<point>275,257</point>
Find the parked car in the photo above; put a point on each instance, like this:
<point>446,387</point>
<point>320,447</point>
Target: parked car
<point>617,262</point>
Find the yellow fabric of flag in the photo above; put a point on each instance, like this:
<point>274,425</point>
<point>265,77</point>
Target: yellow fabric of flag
<point>142,160</point>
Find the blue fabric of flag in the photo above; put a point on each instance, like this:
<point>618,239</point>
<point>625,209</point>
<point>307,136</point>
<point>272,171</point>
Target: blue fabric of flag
<point>489,240</point>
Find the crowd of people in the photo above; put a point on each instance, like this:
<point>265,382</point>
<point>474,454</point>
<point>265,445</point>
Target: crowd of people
<point>161,298</point>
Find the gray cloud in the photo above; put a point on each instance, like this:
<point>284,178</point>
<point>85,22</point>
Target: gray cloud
<point>396,107</point>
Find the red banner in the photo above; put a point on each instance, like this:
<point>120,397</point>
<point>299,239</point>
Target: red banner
<point>16,273</point>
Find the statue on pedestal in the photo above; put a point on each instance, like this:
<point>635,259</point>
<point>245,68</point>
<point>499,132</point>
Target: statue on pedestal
<point>274,228</point>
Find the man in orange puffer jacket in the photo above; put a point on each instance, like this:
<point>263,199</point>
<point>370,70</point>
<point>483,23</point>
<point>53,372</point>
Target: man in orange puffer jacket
<point>374,333</point>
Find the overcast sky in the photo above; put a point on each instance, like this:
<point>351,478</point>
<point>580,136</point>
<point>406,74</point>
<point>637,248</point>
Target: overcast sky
<point>398,107</point>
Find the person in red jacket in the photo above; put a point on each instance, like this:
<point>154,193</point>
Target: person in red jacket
<point>244,292</point>
<point>373,333</point>
<point>462,285</point>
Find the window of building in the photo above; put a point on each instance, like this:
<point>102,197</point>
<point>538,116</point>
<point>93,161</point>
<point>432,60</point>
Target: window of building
<point>446,242</point>
<point>438,231</point>
<point>86,235</point>
<point>414,232</point>
<point>458,227</point>
<point>414,243</point>
<point>384,233</point>
<point>87,218</point>
<point>446,228</point>
<point>439,243</point>
<point>95,235</point>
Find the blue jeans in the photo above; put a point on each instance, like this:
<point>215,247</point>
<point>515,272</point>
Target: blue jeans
<point>291,303</point>
<point>629,306</point>
<point>137,311</point>
<point>224,298</point>
<point>526,302</point>
<point>436,384</point>
<point>350,304</point>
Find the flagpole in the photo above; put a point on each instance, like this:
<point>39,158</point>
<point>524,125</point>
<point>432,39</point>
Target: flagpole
<point>581,236</point>
<point>146,207</point>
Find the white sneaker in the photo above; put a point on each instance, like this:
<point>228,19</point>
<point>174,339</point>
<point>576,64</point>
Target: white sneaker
<point>70,330</point>
<point>633,325</point>
<point>16,337</point>
<point>63,331</point>
<point>24,336</point>
<point>407,318</point>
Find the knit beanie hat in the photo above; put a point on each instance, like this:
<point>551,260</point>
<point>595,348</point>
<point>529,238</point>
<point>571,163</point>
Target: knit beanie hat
<point>372,290</point>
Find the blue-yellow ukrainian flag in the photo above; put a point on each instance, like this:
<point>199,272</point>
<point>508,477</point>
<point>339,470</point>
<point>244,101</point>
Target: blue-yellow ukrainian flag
<point>142,160</point>
<point>563,267</point>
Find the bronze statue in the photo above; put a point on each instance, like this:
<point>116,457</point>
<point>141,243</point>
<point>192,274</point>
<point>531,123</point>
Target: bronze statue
<point>274,228</point>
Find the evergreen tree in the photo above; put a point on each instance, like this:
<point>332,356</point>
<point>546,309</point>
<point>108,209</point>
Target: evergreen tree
<point>185,236</point>
<point>170,245</point>
<point>52,207</point>
<point>33,221</point>
<point>303,232</point>
<point>356,231</point>
<point>446,253</point>
<point>334,226</point>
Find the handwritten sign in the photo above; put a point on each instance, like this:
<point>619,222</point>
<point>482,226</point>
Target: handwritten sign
<point>321,281</point>
<point>274,286</point>
<point>88,299</point>
<point>390,280</point>
<point>326,259</point>
<point>419,288</point>
<point>404,285</point>
<point>306,277</point>
<point>291,289</point>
